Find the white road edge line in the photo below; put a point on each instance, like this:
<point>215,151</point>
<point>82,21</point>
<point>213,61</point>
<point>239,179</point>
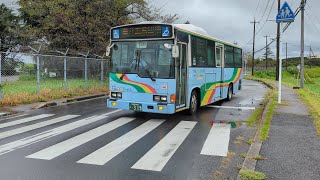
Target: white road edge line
<point>217,142</point>
<point>35,126</point>
<point>112,112</point>
<point>13,116</point>
<point>230,107</point>
<point>25,120</point>
<point>6,148</point>
<point>67,145</point>
<point>111,150</point>
<point>160,154</point>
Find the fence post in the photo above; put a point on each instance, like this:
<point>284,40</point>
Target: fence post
<point>64,68</point>
<point>38,75</point>
<point>102,72</point>
<point>0,75</point>
<point>85,65</point>
<point>102,69</point>
<point>38,68</point>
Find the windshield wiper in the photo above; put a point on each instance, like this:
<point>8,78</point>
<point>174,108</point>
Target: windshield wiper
<point>137,66</point>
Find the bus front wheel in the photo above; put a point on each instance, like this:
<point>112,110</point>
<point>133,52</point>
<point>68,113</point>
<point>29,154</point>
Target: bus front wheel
<point>194,103</point>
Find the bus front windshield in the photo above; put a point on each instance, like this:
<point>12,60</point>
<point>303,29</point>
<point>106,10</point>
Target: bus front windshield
<point>148,59</point>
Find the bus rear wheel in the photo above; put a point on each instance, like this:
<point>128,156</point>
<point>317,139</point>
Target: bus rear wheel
<point>230,92</point>
<point>194,103</point>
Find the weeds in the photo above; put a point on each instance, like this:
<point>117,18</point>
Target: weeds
<point>247,174</point>
<point>267,123</point>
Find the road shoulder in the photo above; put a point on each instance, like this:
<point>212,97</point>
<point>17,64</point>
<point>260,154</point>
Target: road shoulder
<point>292,147</point>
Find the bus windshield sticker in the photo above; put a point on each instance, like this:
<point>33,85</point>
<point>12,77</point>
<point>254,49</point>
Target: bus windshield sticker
<point>165,31</point>
<point>116,33</point>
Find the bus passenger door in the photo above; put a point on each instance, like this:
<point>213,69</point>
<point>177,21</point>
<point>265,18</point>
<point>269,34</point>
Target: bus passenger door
<point>181,76</point>
<point>220,72</point>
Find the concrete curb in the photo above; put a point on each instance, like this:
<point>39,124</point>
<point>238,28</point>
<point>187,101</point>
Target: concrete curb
<point>84,98</point>
<point>254,150</point>
<point>2,114</point>
<point>44,105</point>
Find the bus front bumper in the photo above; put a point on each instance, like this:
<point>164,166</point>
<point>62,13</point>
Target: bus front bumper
<point>160,108</point>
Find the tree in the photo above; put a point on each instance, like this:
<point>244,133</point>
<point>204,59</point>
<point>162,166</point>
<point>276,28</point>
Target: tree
<point>8,38</point>
<point>267,55</point>
<point>82,24</point>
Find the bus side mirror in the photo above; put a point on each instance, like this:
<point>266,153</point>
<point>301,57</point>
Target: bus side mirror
<point>175,51</point>
<point>108,51</point>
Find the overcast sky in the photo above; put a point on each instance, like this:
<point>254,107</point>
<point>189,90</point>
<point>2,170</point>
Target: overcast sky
<point>229,20</point>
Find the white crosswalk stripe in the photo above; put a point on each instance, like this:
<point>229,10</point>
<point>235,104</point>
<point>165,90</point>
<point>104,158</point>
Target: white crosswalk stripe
<point>111,150</point>
<point>67,145</point>
<point>6,148</point>
<point>217,142</point>
<point>25,120</point>
<point>161,153</point>
<point>35,126</point>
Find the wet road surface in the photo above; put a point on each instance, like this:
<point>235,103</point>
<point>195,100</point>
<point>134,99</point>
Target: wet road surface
<point>88,141</point>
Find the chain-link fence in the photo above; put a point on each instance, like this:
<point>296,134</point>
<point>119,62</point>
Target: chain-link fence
<point>45,77</point>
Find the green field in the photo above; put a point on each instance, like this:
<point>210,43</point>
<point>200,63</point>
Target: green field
<point>312,79</point>
<point>25,91</point>
<point>310,94</point>
<point>12,88</point>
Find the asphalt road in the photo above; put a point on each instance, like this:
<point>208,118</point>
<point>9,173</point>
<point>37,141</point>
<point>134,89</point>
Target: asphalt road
<point>88,141</point>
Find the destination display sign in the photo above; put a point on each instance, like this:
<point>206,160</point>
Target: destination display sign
<point>142,32</point>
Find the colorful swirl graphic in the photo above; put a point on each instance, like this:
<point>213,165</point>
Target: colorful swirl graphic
<point>207,96</point>
<point>140,87</point>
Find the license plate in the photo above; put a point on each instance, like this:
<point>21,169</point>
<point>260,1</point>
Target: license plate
<point>135,107</point>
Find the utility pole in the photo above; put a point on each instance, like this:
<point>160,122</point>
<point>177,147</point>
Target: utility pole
<point>278,44</point>
<point>267,48</point>
<point>254,41</point>
<point>286,56</point>
<point>303,3</point>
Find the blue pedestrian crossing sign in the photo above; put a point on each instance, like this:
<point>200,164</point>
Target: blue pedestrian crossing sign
<point>285,14</point>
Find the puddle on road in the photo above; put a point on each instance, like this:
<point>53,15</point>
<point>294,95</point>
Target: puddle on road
<point>234,124</point>
<point>251,101</point>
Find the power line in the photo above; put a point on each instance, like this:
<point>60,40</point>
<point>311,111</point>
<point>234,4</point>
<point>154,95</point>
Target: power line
<point>257,8</point>
<point>265,21</point>
<point>265,10</point>
<point>312,21</point>
<point>311,12</point>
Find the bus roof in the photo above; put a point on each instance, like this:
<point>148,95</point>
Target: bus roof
<point>200,32</point>
<point>187,28</point>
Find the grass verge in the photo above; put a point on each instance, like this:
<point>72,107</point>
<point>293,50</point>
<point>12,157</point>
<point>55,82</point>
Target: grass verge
<point>269,104</point>
<point>25,92</point>
<point>247,174</point>
<point>313,104</point>
<point>267,122</point>
<point>48,95</point>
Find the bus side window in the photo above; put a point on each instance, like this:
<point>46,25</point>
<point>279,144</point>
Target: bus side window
<point>238,58</point>
<point>211,54</point>
<point>229,57</point>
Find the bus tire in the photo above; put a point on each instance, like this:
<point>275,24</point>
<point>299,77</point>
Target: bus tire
<point>230,92</point>
<point>194,103</point>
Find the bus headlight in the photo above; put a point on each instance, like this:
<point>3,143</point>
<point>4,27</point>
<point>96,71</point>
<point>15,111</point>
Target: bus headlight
<point>163,98</point>
<point>158,98</point>
<point>114,95</point>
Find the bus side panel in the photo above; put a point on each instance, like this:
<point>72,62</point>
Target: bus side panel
<point>196,80</point>
<point>238,85</point>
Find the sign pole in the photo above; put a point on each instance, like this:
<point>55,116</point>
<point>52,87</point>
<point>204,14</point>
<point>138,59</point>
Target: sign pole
<point>280,67</point>
<point>285,14</point>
